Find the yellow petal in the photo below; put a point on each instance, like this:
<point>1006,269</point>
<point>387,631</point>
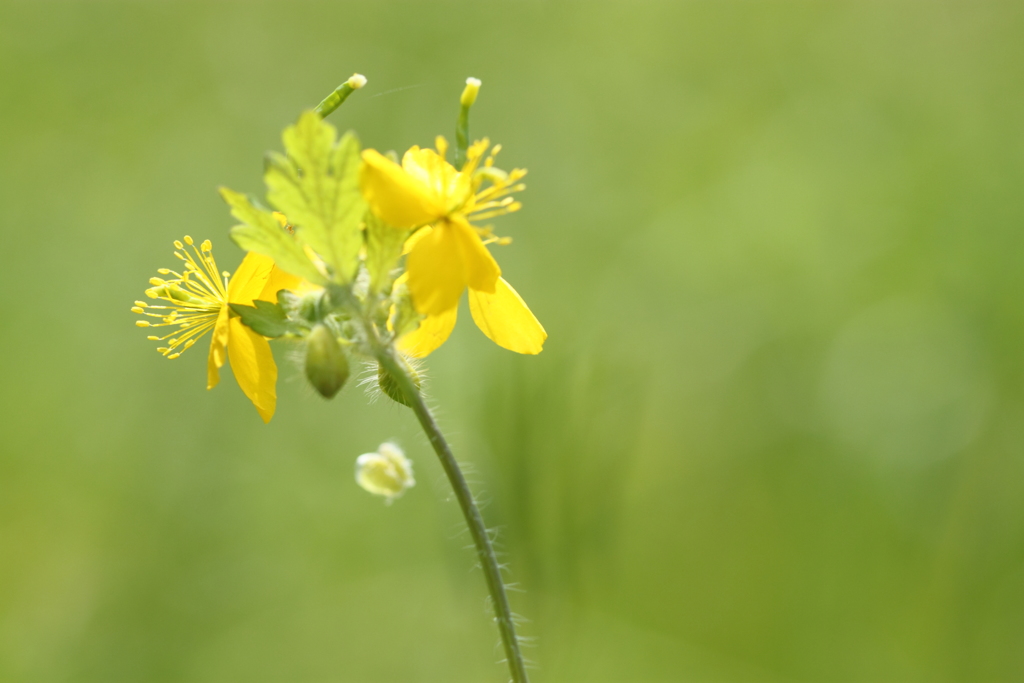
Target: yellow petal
<point>482,271</point>
<point>415,237</point>
<point>218,345</point>
<point>279,280</point>
<point>253,366</point>
<point>427,167</point>
<point>433,331</point>
<point>437,274</point>
<point>250,278</point>
<point>506,320</point>
<point>397,197</point>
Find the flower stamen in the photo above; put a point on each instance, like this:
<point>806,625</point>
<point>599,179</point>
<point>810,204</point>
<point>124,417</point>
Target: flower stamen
<point>192,299</point>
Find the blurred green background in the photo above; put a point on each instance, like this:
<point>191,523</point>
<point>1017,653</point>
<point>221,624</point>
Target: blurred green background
<point>777,433</point>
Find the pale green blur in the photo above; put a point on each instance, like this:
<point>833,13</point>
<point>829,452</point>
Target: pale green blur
<point>777,431</point>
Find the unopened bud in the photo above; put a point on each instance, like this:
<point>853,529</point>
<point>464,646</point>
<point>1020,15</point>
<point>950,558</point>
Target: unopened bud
<point>470,92</point>
<point>385,473</point>
<point>357,81</point>
<point>326,363</point>
<point>389,385</point>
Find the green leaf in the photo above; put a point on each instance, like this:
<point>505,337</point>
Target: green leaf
<point>266,318</point>
<point>404,316</point>
<point>317,187</point>
<point>383,249</point>
<point>260,232</point>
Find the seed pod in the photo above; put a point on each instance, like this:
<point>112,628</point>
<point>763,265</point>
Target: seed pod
<point>326,364</point>
<point>389,385</point>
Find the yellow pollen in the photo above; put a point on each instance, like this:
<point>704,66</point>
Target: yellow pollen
<point>141,323</point>
<point>137,309</point>
<point>152,338</point>
<point>188,240</point>
<point>155,281</point>
<point>207,245</point>
<point>173,356</point>
<point>178,244</point>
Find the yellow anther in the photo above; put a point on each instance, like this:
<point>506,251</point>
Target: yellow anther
<point>189,343</point>
<point>281,218</point>
<point>151,338</point>
<point>442,145</point>
<point>173,356</point>
<point>143,304</point>
<point>178,244</point>
<point>188,240</point>
<point>138,310</point>
<point>141,323</point>
<point>515,206</point>
<point>156,282</point>
<point>207,245</point>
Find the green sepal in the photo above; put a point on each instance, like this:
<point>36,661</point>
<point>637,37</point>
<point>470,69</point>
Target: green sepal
<point>389,385</point>
<point>267,319</point>
<point>383,249</point>
<point>260,232</point>
<point>316,185</point>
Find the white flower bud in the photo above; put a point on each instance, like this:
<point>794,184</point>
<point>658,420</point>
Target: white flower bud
<point>385,473</point>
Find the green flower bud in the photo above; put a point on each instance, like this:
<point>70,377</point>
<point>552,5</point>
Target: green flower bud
<point>310,305</point>
<point>390,387</point>
<point>326,363</point>
<point>385,473</point>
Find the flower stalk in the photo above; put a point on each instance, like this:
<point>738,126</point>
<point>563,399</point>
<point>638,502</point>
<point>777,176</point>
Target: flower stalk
<point>388,358</point>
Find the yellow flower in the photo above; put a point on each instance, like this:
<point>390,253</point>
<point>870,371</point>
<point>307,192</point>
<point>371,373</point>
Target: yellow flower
<point>196,302</point>
<point>427,190</point>
<point>449,254</point>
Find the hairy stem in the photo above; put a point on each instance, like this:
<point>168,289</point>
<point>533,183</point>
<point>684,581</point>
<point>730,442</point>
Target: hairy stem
<point>484,549</point>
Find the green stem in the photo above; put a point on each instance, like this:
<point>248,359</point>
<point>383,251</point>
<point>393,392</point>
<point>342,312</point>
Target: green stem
<point>484,549</point>
<point>461,136</point>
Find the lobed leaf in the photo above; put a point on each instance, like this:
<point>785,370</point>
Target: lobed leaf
<point>316,185</point>
<point>260,232</point>
<point>383,249</point>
